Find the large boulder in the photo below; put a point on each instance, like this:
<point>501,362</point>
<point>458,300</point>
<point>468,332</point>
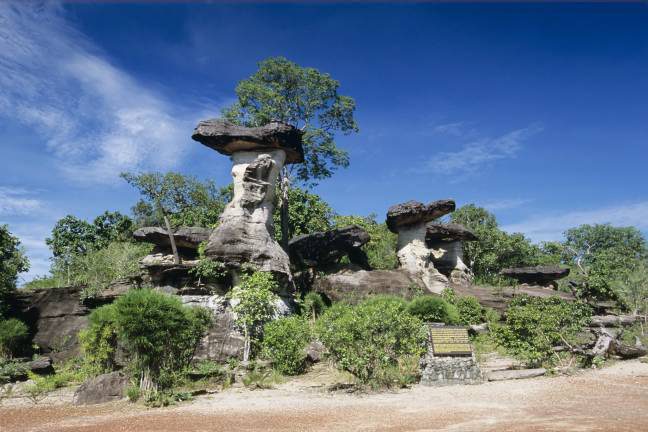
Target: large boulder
<point>228,138</point>
<point>354,286</point>
<point>446,243</point>
<point>538,275</point>
<point>185,237</point>
<point>101,389</point>
<point>321,249</point>
<point>439,232</point>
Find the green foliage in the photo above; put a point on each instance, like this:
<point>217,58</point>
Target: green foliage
<point>470,311</point>
<point>133,393</point>
<point>601,254</point>
<point>535,325</point>
<point>371,338</point>
<point>313,305</point>
<point>14,337</point>
<point>207,270</point>
<point>632,288</point>
<point>284,342</point>
<point>433,309</point>
<point>10,370</point>
<point>495,249</point>
<point>99,340</point>
<point>260,379</point>
<point>307,213</point>
<point>12,262</point>
<point>254,302</point>
<point>186,200</point>
<point>42,385</point>
<point>381,249</point>
<point>305,98</point>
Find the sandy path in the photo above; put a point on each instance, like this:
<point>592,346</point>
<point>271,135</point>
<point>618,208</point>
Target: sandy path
<point>614,399</point>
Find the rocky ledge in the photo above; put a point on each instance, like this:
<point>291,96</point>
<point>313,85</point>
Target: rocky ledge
<point>321,249</point>
<point>539,275</point>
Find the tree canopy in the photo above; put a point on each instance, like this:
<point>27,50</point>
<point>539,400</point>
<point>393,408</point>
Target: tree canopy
<point>12,262</point>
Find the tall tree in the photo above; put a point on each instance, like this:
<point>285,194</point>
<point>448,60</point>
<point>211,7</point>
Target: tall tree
<point>12,262</point>
<point>307,99</point>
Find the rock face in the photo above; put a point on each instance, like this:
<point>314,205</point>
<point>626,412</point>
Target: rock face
<point>446,242</point>
<point>321,249</point>
<point>409,220</point>
<point>355,286</point>
<point>228,138</point>
<point>514,374</point>
<point>101,389</point>
<point>258,155</point>
<point>188,238</point>
<point>540,275</point>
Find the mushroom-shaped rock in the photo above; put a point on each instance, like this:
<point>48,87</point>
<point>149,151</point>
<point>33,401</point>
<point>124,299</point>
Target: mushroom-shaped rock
<point>320,249</point>
<point>538,275</point>
<point>228,138</point>
<point>185,237</point>
<point>408,220</point>
<point>446,243</point>
<point>258,154</point>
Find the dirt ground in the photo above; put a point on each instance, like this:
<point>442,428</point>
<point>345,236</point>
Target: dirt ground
<point>612,399</point>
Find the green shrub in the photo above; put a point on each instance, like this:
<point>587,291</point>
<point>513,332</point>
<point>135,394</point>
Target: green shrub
<point>99,340</point>
<point>10,370</point>
<point>284,342</point>
<point>207,270</point>
<point>470,311</point>
<point>535,325</point>
<point>433,309</point>
<point>371,338</point>
<point>313,305</point>
<point>133,393</point>
<point>14,336</point>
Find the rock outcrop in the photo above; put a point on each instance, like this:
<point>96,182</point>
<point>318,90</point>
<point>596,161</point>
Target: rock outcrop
<point>187,239</point>
<point>539,275</point>
<point>101,389</point>
<point>446,242</point>
<point>258,155</point>
<point>323,249</point>
<point>409,220</point>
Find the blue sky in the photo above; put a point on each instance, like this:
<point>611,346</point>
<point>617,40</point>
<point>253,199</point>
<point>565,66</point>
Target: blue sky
<point>537,112</point>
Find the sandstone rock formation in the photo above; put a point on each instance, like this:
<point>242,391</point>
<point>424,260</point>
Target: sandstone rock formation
<point>101,389</point>
<point>322,249</point>
<point>258,155</point>
<point>539,275</point>
<point>409,221</point>
<point>446,242</point>
<point>187,238</point>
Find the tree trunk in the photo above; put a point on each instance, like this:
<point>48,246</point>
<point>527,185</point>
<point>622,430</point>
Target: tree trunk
<point>176,256</point>
<point>285,215</point>
<point>246,347</point>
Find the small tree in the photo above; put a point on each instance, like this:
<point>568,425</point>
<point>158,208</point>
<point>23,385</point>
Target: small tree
<point>632,288</point>
<point>284,342</point>
<point>307,99</point>
<point>14,335</point>
<point>254,303</point>
<point>12,262</point>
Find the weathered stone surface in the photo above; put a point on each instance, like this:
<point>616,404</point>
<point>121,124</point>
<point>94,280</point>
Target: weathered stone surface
<point>612,320</point>
<point>414,212</point>
<point>314,352</point>
<point>355,286</point>
<point>499,300</point>
<point>442,371</point>
<point>320,249</point>
<point>160,270</point>
<point>447,258</point>
<point>101,389</point>
<point>185,237</point>
<point>244,232</point>
<point>515,374</point>
<point>228,138</point>
<point>539,275</point>
<point>41,366</point>
<point>438,232</point>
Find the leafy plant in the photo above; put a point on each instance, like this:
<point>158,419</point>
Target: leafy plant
<point>470,311</point>
<point>371,338</point>
<point>433,309</point>
<point>313,305</point>
<point>14,337</point>
<point>133,393</point>
<point>307,213</point>
<point>260,379</point>
<point>99,340</point>
<point>12,262</point>
<point>253,302</point>
<point>207,269</point>
<point>284,342</point>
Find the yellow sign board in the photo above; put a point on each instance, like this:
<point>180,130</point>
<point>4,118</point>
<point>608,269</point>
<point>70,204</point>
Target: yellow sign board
<point>450,341</point>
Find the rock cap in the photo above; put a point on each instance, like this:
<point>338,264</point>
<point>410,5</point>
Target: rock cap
<point>185,237</point>
<point>439,232</point>
<point>322,248</point>
<point>536,275</point>
<point>228,138</point>
<point>413,212</point>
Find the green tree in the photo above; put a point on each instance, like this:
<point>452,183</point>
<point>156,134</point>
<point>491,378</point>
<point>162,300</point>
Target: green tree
<point>284,342</point>
<point>110,227</point>
<point>308,99</point>
<point>381,249</point>
<point>175,200</point>
<point>601,254</point>
<point>12,262</point>
<point>307,212</point>
<point>632,288</point>
<point>494,249</point>
<point>253,302</point>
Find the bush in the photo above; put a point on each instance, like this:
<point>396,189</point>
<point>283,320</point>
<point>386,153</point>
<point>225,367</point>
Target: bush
<point>284,342</point>
<point>11,370</point>
<point>371,338</point>
<point>535,325</point>
<point>433,309</point>
<point>470,311</point>
<point>313,305</point>
<point>99,340</point>
<point>14,336</point>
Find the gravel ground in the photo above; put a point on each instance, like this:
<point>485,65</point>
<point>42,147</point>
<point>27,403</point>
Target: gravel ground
<point>612,399</point>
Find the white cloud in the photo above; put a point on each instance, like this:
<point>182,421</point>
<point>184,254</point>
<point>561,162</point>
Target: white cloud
<point>505,204</point>
<point>95,118</point>
<point>17,201</point>
<point>454,129</point>
<point>477,153</point>
<point>551,227</point>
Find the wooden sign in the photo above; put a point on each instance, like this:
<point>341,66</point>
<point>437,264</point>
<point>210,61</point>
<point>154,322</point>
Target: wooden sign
<point>450,341</point>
